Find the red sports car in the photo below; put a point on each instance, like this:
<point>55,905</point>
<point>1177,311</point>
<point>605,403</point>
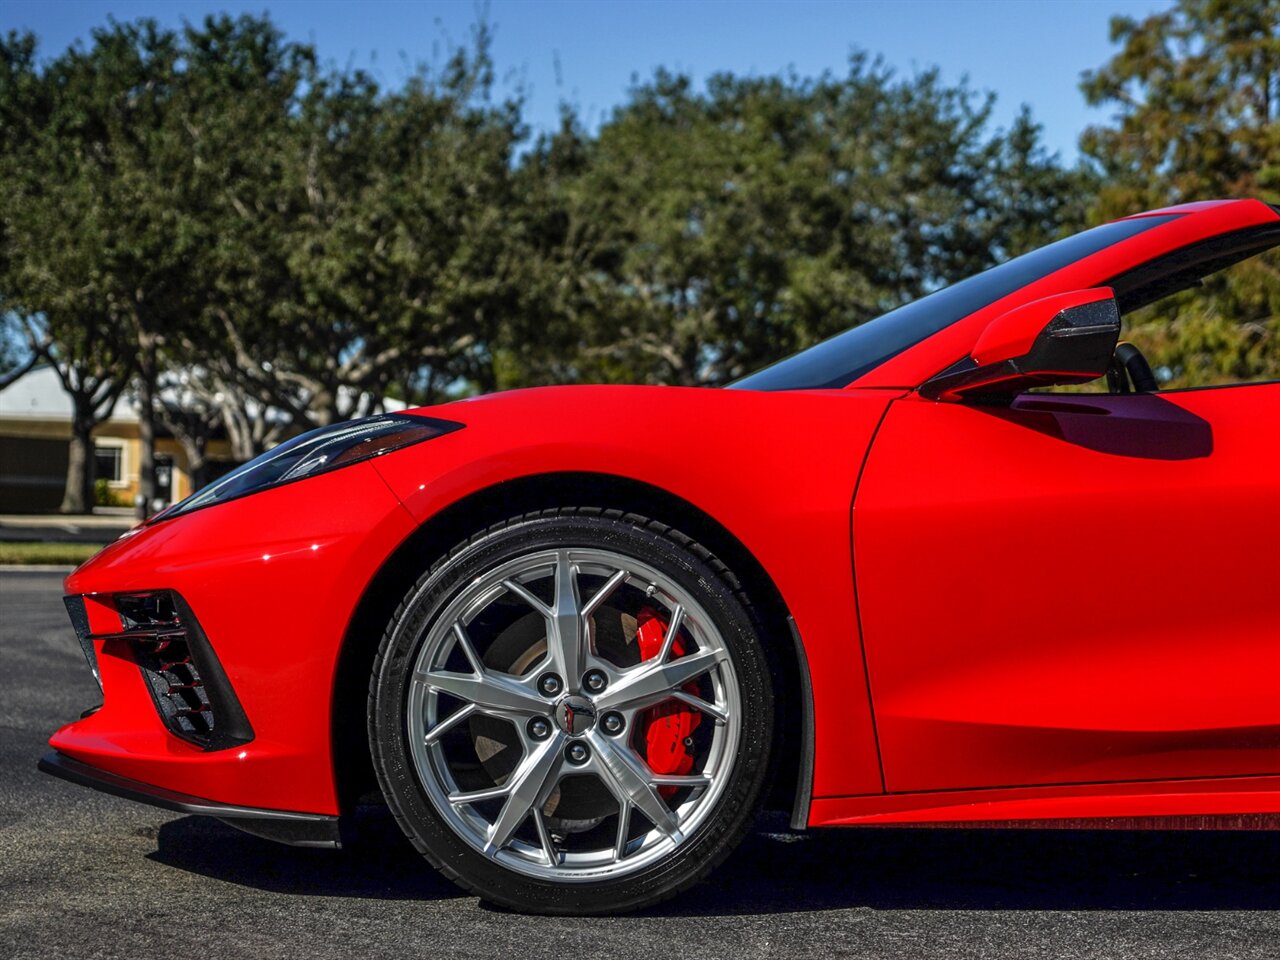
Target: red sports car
<point>578,636</point>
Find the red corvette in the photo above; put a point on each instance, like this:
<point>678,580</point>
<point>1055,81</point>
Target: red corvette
<point>578,636</point>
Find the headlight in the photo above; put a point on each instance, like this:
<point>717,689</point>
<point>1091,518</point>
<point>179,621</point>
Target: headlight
<point>314,453</point>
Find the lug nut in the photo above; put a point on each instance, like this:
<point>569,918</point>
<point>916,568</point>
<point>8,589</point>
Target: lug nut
<point>595,681</point>
<point>549,684</point>
<point>577,753</point>
<point>539,728</point>
<point>613,723</point>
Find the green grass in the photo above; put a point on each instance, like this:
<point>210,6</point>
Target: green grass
<point>62,554</point>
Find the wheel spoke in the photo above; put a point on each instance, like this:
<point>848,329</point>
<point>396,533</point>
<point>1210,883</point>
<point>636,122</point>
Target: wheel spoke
<point>489,692</point>
<point>544,836</point>
<point>688,780</point>
<point>448,723</point>
<point>463,797</point>
<point>710,709</point>
<point>464,641</point>
<point>624,828</point>
<point>654,682</point>
<point>632,787</point>
<point>564,641</point>
<point>673,627</point>
<point>603,594</point>
<point>523,592</point>
<point>528,787</point>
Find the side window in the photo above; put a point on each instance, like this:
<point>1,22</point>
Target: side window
<point>1208,315</point>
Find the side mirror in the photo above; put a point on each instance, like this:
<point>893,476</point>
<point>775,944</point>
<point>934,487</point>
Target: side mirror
<point>1065,338</point>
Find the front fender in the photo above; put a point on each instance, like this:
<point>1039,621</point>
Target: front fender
<point>777,470</point>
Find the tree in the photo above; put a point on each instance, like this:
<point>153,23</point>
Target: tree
<point>51,292</point>
<point>261,245</point>
<point>15,358</point>
<point>702,235</point>
<point>233,118</point>
<point>398,259</point>
<point>142,171</point>
<point>1196,90</point>
<point>93,364</point>
<point>17,95</point>
<point>90,240</point>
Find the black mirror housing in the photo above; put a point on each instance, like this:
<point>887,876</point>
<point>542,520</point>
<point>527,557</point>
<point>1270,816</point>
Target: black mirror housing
<point>1063,339</point>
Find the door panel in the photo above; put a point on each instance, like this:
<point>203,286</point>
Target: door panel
<point>1078,588</point>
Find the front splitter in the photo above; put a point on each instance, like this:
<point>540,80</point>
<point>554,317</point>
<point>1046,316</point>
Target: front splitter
<point>283,826</point>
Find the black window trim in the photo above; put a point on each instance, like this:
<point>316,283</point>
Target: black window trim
<point>1245,236</point>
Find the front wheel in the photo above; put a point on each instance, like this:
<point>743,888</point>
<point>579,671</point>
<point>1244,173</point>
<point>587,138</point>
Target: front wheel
<point>572,713</point>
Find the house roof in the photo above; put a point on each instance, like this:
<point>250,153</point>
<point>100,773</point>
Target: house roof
<point>38,395</point>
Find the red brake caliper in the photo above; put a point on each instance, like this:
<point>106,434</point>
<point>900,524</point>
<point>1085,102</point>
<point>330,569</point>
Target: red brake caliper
<point>666,726</point>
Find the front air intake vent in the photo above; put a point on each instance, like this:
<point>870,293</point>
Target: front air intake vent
<point>186,681</point>
<point>161,649</point>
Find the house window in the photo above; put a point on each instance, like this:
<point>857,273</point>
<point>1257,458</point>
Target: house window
<point>108,464</point>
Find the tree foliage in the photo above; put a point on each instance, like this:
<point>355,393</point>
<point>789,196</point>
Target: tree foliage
<point>399,263</point>
<point>702,234</point>
<point>1196,90</point>
<point>300,238</point>
<point>255,243</point>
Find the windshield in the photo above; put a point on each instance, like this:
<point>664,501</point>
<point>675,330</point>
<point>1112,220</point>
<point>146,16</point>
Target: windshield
<point>839,361</point>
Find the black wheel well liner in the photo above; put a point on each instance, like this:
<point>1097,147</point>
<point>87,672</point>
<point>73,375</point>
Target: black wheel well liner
<point>353,769</point>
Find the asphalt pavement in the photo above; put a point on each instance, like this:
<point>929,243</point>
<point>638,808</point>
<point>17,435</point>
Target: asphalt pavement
<point>83,874</point>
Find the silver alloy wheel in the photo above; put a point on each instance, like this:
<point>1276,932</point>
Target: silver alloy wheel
<point>558,727</point>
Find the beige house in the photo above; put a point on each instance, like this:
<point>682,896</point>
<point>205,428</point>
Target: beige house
<point>35,433</point>
<point>35,430</point>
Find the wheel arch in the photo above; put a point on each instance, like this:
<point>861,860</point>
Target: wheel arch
<point>353,770</point>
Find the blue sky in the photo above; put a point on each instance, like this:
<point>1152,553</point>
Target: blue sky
<point>1030,51</point>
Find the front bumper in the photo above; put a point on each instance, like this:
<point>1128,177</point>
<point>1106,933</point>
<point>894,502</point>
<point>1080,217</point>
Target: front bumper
<point>295,829</point>
<point>271,583</point>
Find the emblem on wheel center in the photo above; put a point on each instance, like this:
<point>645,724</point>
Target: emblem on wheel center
<point>576,715</point>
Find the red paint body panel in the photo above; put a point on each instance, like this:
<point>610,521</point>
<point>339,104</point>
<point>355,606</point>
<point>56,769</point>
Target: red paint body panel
<point>1080,588</point>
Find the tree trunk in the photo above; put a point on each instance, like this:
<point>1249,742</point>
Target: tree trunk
<point>323,407</point>
<point>197,460</point>
<point>78,496</point>
<point>18,372</point>
<point>147,438</point>
<point>238,433</point>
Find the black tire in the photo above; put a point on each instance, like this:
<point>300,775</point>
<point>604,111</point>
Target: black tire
<point>686,564</point>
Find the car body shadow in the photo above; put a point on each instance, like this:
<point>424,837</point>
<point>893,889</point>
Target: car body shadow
<point>1143,426</point>
<point>378,864</point>
<point>775,871</point>
<point>995,869</point>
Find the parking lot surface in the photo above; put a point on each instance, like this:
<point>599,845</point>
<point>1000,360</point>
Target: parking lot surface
<point>83,874</point>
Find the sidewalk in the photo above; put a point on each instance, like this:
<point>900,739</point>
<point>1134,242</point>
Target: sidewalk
<point>100,527</point>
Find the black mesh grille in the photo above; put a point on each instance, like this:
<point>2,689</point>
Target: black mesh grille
<point>163,653</point>
<point>186,681</point>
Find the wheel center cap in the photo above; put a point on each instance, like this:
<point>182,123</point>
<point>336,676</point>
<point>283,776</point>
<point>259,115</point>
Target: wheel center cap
<point>575,715</point>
